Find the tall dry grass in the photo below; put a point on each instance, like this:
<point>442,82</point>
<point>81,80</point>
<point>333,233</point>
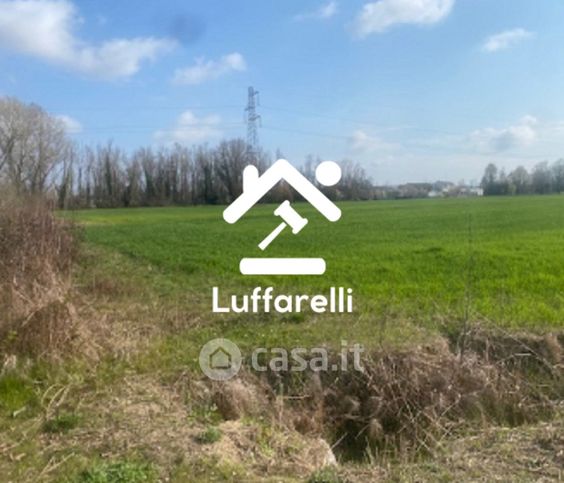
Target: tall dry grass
<point>409,402</point>
<point>37,250</point>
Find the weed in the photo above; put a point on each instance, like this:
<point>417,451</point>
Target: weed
<point>16,393</point>
<point>119,472</point>
<point>207,414</point>
<point>210,435</point>
<point>325,475</point>
<point>61,423</point>
<point>209,469</point>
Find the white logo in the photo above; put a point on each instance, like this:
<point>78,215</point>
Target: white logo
<point>328,173</point>
<point>220,359</point>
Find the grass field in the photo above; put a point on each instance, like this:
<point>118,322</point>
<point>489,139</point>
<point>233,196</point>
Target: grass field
<point>419,269</point>
<point>498,260</point>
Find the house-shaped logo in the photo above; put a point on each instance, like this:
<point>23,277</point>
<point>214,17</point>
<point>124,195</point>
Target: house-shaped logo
<point>220,359</point>
<point>327,173</point>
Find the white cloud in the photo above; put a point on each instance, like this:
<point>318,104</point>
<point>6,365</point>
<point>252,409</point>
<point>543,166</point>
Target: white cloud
<point>381,15</point>
<point>44,29</point>
<point>72,126</point>
<point>190,129</point>
<point>361,142</point>
<point>326,11</point>
<point>329,10</point>
<point>522,134</point>
<point>210,69</point>
<point>505,40</point>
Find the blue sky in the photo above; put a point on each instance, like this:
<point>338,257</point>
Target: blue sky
<point>415,90</point>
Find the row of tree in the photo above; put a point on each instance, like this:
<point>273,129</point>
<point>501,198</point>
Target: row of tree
<point>37,157</point>
<point>545,178</point>
<point>108,177</point>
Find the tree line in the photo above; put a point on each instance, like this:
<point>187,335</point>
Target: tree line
<point>38,158</point>
<point>545,178</point>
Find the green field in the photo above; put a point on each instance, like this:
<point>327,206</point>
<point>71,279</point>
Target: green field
<point>421,271</point>
<point>489,260</point>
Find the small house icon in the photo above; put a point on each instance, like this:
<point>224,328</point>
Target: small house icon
<point>220,359</point>
<point>328,173</point>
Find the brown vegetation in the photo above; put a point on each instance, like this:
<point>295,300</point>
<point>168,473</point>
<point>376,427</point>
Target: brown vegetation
<point>37,251</point>
<point>407,402</point>
<point>417,407</point>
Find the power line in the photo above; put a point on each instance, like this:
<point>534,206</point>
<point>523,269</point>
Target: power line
<point>145,107</point>
<point>306,133</point>
<point>380,126</point>
<point>125,128</point>
<point>252,117</point>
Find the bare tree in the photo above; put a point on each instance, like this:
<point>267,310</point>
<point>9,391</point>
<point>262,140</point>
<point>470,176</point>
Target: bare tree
<point>490,180</point>
<point>558,175</point>
<point>65,185</point>
<point>231,159</point>
<point>354,183</point>
<point>133,195</point>
<point>542,178</point>
<point>32,145</point>
<point>204,179</point>
<point>108,177</point>
<point>520,181</point>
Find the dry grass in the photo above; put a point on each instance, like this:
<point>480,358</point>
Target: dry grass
<point>406,403</point>
<point>38,316</point>
<point>142,416</point>
<point>413,415</point>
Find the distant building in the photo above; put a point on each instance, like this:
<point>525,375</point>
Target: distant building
<point>443,186</point>
<point>477,191</point>
<point>438,189</point>
<point>444,189</point>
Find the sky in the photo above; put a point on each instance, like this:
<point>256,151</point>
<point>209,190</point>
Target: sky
<point>413,90</point>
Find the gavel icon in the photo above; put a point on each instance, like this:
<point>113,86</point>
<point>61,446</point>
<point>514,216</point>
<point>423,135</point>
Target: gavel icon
<point>291,218</point>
